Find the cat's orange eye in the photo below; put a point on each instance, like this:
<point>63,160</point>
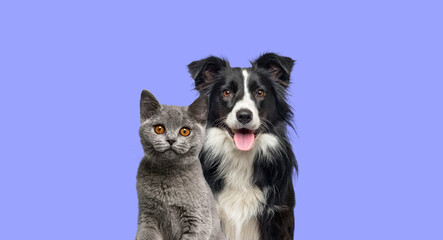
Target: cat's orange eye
<point>185,131</point>
<point>227,93</point>
<point>159,129</point>
<point>260,93</point>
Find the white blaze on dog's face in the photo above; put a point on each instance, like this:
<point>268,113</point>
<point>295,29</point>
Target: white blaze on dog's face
<point>243,103</point>
<point>244,119</point>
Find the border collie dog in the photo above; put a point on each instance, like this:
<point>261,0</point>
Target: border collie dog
<point>247,158</point>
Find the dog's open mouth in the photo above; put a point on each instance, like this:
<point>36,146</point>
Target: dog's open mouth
<point>243,138</point>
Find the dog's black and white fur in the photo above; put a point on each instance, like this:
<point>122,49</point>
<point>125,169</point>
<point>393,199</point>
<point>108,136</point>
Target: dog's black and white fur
<point>253,189</point>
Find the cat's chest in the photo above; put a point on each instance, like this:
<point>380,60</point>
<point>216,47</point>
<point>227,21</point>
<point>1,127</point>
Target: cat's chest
<point>175,189</point>
<point>168,189</point>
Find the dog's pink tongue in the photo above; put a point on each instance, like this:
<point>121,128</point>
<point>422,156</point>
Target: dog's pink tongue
<point>244,141</point>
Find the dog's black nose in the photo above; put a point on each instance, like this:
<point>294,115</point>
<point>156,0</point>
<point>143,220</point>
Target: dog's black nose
<point>170,142</point>
<point>244,116</point>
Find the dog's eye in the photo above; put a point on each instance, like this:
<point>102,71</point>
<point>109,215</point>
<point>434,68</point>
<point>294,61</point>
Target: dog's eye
<point>227,93</point>
<point>160,129</point>
<point>260,93</point>
<point>185,131</point>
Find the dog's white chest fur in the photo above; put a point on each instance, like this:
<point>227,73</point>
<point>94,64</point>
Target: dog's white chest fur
<point>238,208</point>
<point>240,201</point>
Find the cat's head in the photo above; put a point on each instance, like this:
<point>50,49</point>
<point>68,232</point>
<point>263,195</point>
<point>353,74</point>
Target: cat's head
<point>172,132</point>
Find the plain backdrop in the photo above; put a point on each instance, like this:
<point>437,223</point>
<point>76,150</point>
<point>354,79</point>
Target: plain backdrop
<point>366,92</point>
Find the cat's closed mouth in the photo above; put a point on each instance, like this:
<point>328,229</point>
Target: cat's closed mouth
<point>170,149</point>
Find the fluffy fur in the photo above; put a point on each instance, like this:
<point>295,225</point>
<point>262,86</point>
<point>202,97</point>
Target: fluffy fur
<point>175,202</point>
<point>253,188</point>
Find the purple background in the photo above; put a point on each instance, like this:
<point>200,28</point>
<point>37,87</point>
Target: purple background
<point>367,93</point>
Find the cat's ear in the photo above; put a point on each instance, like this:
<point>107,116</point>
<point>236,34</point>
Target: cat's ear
<point>204,71</point>
<point>280,67</point>
<point>199,109</point>
<point>148,105</point>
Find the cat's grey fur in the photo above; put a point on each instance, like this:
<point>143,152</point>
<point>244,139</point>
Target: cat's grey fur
<point>174,200</point>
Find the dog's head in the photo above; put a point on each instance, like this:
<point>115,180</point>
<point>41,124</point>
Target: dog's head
<point>245,102</point>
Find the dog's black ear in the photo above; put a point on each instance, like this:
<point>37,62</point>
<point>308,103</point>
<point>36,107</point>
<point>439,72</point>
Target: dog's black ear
<point>148,105</point>
<point>204,71</point>
<point>199,109</point>
<point>280,67</point>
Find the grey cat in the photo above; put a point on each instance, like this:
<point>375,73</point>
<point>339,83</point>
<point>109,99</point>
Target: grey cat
<point>174,200</point>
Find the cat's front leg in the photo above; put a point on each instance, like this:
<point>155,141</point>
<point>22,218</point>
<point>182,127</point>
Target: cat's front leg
<point>194,229</point>
<point>189,237</point>
<point>194,236</point>
<point>147,232</point>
